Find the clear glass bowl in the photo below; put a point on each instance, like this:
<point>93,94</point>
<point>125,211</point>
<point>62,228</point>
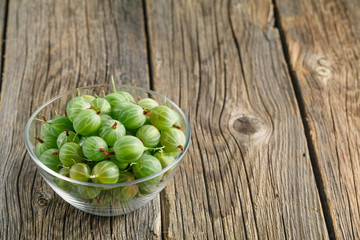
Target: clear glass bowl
<point>101,199</point>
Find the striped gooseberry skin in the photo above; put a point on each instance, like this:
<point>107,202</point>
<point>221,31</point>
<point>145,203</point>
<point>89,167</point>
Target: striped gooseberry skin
<point>132,116</point>
<point>162,117</point>
<point>105,119</point>
<point>128,149</point>
<point>87,122</point>
<point>149,135</point>
<point>88,192</point>
<point>123,195</point>
<point>80,171</point>
<point>164,158</point>
<point>102,104</point>
<point>76,105</point>
<point>147,165</point>
<point>112,131</point>
<point>105,172</point>
<point>118,97</point>
<point>59,124</point>
<point>50,158</point>
<point>45,143</point>
<point>92,148</point>
<point>147,103</point>
<point>46,129</point>
<point>115,111</point>
<point>66,136</point>
<point>173,139</point>
<point>70,153</point>
<point>62,183</point>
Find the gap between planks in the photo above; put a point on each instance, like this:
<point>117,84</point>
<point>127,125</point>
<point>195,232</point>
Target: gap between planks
<point>313,157</point>
<point>3,42</point>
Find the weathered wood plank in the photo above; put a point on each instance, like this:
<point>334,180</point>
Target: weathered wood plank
<point>52,47</point>
<point>247,173</point>
<point>323,39</point>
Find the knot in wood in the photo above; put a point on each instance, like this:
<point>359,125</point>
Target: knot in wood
<point>42,201</point>
<point>247,125</point>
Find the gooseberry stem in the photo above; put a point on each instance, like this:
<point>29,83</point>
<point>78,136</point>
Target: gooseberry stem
<point>56,113</point>
<point>39,140</point>
<point>55,153</point>
<point>181,148</point>
<point>113,82</point>
<point>154,149</point>
<point>105,151</point>
<point>98,112</point>
<point>92,176</point>
<point>139,98</point>
<point>115,125</point>
<point>40,120</point>
<point>165,99</point>
<point>74,137</point>
<point>103,92</point>
<point>78,92</point>
<point>66,132</point>
<point>147,112</point>
<point>96,95</point>
<point>177,126</point>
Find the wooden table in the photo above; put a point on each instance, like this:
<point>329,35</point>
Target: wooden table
<point>271,90</point>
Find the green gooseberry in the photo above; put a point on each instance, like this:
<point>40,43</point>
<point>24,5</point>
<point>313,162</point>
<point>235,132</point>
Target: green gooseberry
<point>105,172</point>
<point>178,120</point>
<point>164,158</point>
<point>149,135</point>
<point>80,171</point>
<point>174,153</point>
<point>89,98</point>
<point>147,165</point>
<point>163,117</point>
<point>87,122</point>
<point>75,106</point>
<point>50,158</point>
<point>102,104</point>
<point>118,108</point>
<point>95,148</point>
<point>88,192</point>
<point>132,116</point>
<point>70,153</point>
<point>173,139</point>
<point>105,119</point>
<point>67,136</point>
<point>59,124</point>
<point>117,97</point>
<point>123,195</point>
<point>128,149</point>
<point>45,143</point>
<point>65,185</point>
<point>46,129</point>
<point>112,131</point>
<point>147,103</point>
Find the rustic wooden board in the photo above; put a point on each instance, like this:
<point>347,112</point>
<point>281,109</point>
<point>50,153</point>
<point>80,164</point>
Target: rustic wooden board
<point>323,39</point>
<point>54,46</point>
<point>248,172</point>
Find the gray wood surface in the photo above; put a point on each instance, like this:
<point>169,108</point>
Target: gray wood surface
<point>271,92</point>
<point>52,47</point>
<point>323,39</point>
<point>248,172</point>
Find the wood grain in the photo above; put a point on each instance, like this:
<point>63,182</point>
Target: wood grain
<point>52,47</point>
<point>323,39</point>
<point>248,172</point>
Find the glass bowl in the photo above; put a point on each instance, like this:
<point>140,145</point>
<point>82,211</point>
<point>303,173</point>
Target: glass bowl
<point>102,199</point>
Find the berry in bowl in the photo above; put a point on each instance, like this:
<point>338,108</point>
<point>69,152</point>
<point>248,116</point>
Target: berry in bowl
<point>112,150</point>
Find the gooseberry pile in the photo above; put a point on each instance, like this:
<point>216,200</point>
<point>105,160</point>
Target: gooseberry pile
<point>111,139</point>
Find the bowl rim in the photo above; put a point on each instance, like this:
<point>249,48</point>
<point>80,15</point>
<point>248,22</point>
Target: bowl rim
<point>57,175</point>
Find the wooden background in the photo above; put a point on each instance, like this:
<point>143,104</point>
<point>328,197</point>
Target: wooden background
<point>271,89</point>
